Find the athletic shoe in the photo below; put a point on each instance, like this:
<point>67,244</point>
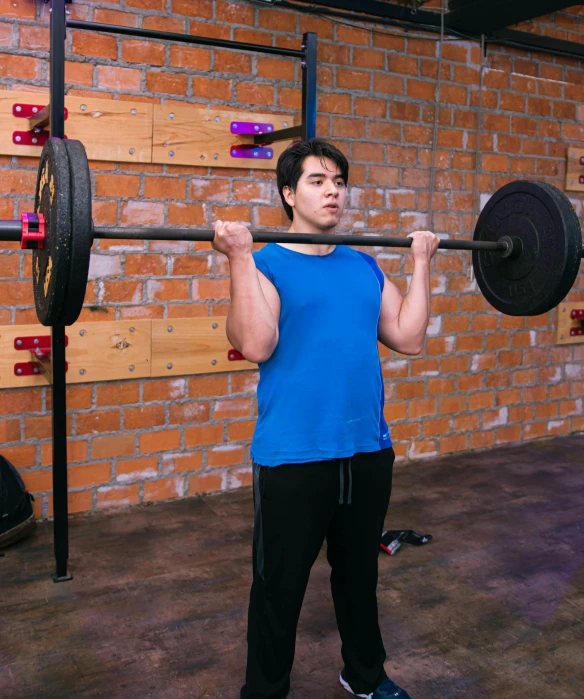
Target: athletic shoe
<point>386,690</point>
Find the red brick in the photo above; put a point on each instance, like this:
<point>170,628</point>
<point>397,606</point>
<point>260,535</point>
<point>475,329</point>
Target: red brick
<point>18,10</point>
<point>142,213</point>
<point>190,58</point>
<point>122,79</point>
<point>107,185</point>
<point>98,421</point>
<point>171,84</point>
<point>144,52</point>
<point>136,469</point>
<point>117,496</point>
<point>20,67</point>
<point>108,447</point>
<point>186,214</point>
<point>205,483</point>
<point>89,474</point>
<point>164,24</point>
<point>91,44</point>
<point>125,19</point>
<point>161,440</point>
<point>225,455</point>
<point>33,38</point>
<point>167,289</point>
<point>453,443</point>
<point>164,489</point>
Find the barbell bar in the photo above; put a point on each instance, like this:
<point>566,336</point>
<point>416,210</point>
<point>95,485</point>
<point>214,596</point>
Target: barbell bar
<point>527,245</point>
<point>13,231</point>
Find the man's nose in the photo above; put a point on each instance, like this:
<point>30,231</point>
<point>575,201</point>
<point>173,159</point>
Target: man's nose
<point>331,189</point>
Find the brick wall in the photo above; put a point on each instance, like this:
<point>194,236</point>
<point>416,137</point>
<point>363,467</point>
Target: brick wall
<point>483,379</point>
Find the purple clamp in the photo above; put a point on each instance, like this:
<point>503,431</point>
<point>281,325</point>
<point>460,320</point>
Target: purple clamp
<point>250,128</point>
<point>247,150</point>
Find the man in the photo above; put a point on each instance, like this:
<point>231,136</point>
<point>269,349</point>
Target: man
<point>311,316</point>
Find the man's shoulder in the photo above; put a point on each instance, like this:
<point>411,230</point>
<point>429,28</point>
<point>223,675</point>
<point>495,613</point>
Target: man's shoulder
<point>266,253</point>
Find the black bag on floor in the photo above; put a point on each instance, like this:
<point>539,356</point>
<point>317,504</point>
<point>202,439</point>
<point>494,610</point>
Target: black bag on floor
<point>17,518</point>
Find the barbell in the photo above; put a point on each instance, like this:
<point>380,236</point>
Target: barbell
<point>526,248</point>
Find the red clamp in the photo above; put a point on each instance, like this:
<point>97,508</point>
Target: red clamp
<point>40,348</point>
<point>33,231</point>
<point>234,356</point>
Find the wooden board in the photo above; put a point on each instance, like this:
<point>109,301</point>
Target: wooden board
<point>109,129</point>
<point>565,324</point>
<point>106,351</point>
<point>203,137</point>
<point>96,352</point>
<point>109,351</point>
<point>192,346</point>
<point>574,170</point>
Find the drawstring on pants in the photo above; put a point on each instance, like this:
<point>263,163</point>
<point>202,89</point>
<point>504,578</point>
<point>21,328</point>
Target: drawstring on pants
<point>342,481</point>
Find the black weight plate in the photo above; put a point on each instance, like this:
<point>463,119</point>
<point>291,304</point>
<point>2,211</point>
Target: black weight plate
<point>539,279</point>
<point>50,266</point>
<point>574,255</point>
<point>81,231</point>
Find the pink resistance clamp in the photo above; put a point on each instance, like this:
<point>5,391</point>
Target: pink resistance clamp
<point>33,231</point>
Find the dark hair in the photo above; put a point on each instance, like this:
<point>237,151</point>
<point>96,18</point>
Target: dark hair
<point>290,162</point>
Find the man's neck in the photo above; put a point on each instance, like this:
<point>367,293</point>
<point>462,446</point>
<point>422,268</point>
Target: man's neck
<point>319,250</point>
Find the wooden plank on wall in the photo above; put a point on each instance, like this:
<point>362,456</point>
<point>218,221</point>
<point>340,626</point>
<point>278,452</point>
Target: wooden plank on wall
<point>567,323</point>
<point>109,129</point>
<point>95,352</point>
<point>109,351</point>
<point>574,170</point>
<point>203,137</point>
<point>192,346</point>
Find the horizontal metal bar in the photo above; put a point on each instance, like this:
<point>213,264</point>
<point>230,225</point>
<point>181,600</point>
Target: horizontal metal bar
<point>279,135</point>
<point>183,38</point>
<point>11,231</point>
<point>148,233</point>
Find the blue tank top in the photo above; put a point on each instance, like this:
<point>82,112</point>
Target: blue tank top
<point>320,395</point>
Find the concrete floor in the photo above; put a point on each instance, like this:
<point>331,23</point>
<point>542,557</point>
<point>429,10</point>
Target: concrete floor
<point>492,607</point>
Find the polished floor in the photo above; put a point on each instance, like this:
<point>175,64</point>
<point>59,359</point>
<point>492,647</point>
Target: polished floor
<point>492,608</point>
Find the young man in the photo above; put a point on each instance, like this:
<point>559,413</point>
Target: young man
<point>311,316</point>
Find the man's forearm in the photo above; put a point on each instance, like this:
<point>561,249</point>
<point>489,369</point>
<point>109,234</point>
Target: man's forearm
<point>251,327</point>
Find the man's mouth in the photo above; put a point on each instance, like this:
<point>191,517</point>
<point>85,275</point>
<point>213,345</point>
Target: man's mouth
<point>332,207</point>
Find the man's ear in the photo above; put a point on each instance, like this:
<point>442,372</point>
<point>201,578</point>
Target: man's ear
<point>288,195</point>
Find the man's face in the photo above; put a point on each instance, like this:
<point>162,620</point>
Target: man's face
<point>319,198</point>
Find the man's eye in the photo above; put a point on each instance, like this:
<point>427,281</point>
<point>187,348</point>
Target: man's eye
<point>316,181</point>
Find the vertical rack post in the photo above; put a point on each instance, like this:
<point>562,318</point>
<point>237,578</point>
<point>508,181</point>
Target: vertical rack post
<point>309,85</point>
<point>59,388</point>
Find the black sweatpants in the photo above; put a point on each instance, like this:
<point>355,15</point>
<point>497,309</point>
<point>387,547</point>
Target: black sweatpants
<point>297,506</point>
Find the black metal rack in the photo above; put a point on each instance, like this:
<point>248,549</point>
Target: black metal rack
<point>59,25</point>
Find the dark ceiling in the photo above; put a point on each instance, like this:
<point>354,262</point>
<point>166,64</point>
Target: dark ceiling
<point>468,16</point>
<point>486,16</point>
<point>464,18</point>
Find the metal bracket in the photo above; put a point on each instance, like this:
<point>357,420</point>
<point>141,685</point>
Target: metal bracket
<point>250,127</point>
<point>248,150</point>
<point>40,348</point>
<point>38,116</point>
